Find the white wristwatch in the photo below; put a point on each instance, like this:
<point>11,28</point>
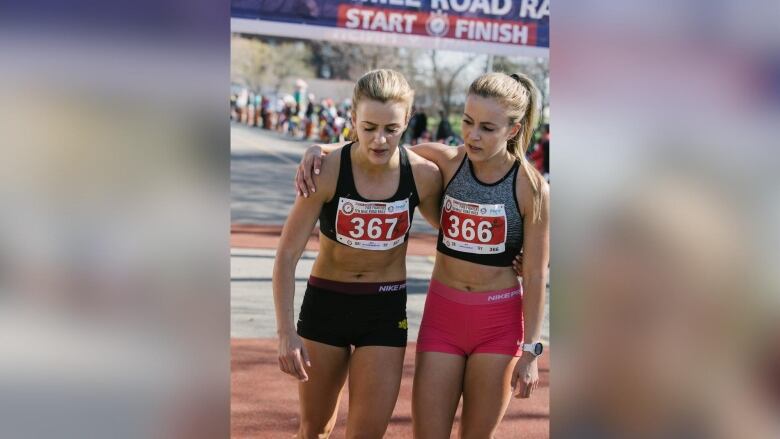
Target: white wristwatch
<point>534,348</point>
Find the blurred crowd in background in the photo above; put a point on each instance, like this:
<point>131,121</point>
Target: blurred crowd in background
<point>301,115</point>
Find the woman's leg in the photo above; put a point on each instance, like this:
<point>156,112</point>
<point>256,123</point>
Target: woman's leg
<point>319,396</point>
<point>438,379</point>
<point>374,380</point>
<point>486,394</point>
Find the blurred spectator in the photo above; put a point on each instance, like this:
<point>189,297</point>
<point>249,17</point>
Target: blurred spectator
<point>540,154</point>
<point>406,137</point>
<point>294,120</point>
<point>300,92</point>
<point>265,112</point>
<point>308,119</point>
<point>444,132</point>
<point>233,112</point>
<point>286,113</point>
<point>250,109</point>
<point>338,126</point>
<point>241,103</point>
<point>257,109</point>
<point>327,130</point>
<point>418,124</point>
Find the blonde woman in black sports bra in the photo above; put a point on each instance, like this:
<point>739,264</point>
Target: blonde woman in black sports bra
<point>356,294</point>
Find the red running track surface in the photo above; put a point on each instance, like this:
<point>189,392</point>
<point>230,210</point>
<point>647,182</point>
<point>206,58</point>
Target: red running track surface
<point>264,401</point>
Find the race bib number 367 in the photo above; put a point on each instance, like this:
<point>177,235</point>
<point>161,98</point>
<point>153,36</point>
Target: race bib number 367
<point>473,228</point>
<point>372,225</point>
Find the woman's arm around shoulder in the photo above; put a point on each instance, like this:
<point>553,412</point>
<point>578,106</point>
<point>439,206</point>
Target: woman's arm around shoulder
<point>428,180</point>
<point>438,153</point>
<point>310,165</point>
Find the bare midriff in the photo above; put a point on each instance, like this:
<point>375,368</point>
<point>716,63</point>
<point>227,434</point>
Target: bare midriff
<point>468,276</point>
<point>342,263</point>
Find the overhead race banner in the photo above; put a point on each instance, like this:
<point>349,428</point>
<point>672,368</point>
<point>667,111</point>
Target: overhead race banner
<point>504,27</point>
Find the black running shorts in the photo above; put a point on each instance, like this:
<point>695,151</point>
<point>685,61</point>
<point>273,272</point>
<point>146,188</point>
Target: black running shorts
<point>367,315</point>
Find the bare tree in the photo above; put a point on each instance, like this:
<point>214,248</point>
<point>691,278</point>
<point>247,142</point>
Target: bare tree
<point>537,69</point>
<point>247,66</point>
<point>290,59</point>
<point>257,64</point>
<point>351,61</point>
<point>445,80</point>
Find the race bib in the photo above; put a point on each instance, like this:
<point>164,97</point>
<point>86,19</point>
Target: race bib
<point>372,225</point>
<point>473,228</point>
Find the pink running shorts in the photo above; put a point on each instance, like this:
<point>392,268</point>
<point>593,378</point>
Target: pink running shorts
<point>464,323</point>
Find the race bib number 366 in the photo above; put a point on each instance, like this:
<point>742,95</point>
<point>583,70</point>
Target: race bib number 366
<point>473,228</point>
<point>372,225</point>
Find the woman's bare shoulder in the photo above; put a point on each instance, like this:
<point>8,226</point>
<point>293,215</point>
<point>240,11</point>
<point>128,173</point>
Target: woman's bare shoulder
<point>526,184</point>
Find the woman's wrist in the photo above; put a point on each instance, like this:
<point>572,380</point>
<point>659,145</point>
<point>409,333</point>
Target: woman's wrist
<point>528,357</point>
<point>286,331</point>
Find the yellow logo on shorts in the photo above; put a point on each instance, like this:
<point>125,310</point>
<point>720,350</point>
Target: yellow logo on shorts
<point>403,324</point>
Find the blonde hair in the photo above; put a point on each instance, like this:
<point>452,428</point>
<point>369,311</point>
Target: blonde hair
<point>383,85</point>
<point>519,95</point>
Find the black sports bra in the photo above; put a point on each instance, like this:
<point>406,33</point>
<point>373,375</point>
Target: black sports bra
<point>365,224</point>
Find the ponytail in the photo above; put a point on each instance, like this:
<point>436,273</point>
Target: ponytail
<point>518,145</point>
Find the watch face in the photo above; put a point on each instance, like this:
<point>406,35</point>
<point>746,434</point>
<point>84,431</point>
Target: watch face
<point>538,348</point>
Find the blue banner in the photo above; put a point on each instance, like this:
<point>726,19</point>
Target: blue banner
<point>495,22</point>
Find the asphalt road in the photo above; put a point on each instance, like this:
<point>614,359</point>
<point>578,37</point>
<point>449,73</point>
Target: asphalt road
<point>262,168</point>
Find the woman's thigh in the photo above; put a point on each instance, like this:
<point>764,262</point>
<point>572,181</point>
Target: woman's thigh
<point>438,379</point>
<point>319,396</point>
<point>486,393</point>
<point>374,380</point>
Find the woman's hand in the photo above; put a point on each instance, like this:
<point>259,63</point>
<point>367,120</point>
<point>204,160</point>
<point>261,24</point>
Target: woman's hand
<point>517,264</point>
<point>292,356</point>
<point>525,377</point>
<point>311,162</point>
